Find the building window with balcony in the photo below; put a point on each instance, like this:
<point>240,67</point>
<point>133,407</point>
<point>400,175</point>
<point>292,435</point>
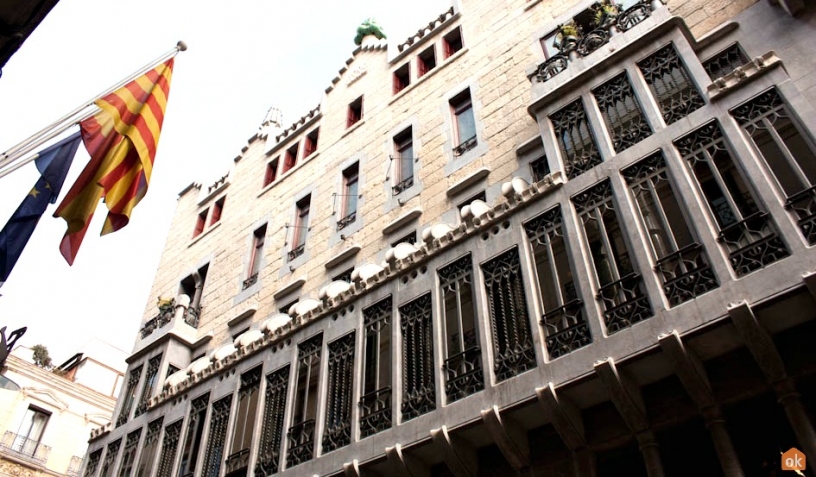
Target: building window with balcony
<point>404,157</point>
<point>621,112</point>
<point>513,351</point>
<point>348,199</point>
<point>290,158</point>
<point>620,289</point>
<point>748,233</point>
<point>671,84</point>
<point>149,448</point>
<point>464,123</point>
<point>564,322</point>
<point>271,173</point>
<point>725,61</point>
<point>129,454</point>
<point>192,439</point>
<point>130,395</point>
<point>237,463</point>
<point>277,386</point>
<point>301,435</point>
<point>340,388</point>
<point>201,222</point>
<point>375,403</point>
<point>26,441</point>
<point>255,257</point>
<point>681,262</point>
<point>193,287</point>
<point>310,143</point>
<point>111,453</point>
<point>426,61</point>
<point>217,436</point>
<point>539,168</point>
<point>452,42</point>
<point>217,209</point>
<point>419,390</point>
<point>355,112</point>
<point>150,385</point>
<point>301,228</point>
<point>463,355</point>
<point>172,434</point>
<point>402,78</point>
<point>787,151</point>
<point>575,139</point>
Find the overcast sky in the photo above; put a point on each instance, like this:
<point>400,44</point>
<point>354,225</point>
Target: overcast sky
<point>243,57</point>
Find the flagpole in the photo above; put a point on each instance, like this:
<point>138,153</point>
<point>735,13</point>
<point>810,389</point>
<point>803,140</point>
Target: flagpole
<point>40,137</point>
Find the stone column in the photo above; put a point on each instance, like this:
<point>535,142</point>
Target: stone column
<point>651,453</point>
<point>715,423</point>
<point>791,402</point>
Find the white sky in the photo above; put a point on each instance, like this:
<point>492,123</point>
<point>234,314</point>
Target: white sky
<point>241,60</point>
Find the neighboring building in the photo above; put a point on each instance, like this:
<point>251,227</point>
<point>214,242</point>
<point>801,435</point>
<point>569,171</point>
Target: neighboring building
<point>47,415</point>
<point>518,245</point>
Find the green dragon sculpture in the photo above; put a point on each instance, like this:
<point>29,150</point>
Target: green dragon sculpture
<point>368,27</point>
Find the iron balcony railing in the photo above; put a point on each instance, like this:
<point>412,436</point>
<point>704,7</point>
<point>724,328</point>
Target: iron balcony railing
<point>22,446</point>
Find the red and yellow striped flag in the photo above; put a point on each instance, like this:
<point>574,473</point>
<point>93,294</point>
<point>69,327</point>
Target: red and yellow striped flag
<point>122,140</point>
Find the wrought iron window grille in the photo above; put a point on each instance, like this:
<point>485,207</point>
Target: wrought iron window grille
<point>621,113</point>
<point>149,386</point>
<point>347,220</point>
<point>130,395</point>
<point>301,438</point>
<point>375,405</point>
<point>671,84</point>
<point>575,139</point>
<point>464,146</point>
<point>253,279</point>
<point>375,412</point>
<point>340,387</point>
<point>93,463</point>
<point>172,434</point>
<point>402,186</point>
<point>419,391</point>
<point>725,61</point>
<point>296,252</point>
<point>110,458</point>
<point>217,437</point>
<point>277,384</point>
<point>23,447</point>
<point>149,447</point>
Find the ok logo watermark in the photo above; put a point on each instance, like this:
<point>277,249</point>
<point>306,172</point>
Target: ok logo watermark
<point>794,459</point>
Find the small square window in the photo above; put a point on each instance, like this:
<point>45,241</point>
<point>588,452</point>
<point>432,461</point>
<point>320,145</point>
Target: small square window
<point>271,172</point>
<point>539,168</point>
<point>426,61</point>
<point>310,144</point>
<point>290,158</point>
<point>453,42</point>
<point>217,209</point>
<point>201,221</point>
<point>285,308</point>
<point>402,78</point>
<point>344,276</point>
<point>409,238</point>
<point>355,112</point>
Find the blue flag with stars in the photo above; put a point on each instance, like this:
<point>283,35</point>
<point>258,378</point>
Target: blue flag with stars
<point>53,164</point>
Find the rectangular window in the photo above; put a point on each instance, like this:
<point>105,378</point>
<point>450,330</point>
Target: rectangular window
<point>193,287</point>
<point>290,158</point>
<point>93,463</point>
<point>349,197</point>
<point>787,151</point>
<point>748,233</point>
<point>419,390</point>
<point>192,439</point>
<point>375,403</point>
<point>130,395</point>
<point>681,261</point>
<point>277,385</point>
<point>301,228</point>
<point>216,437</point>
<point>409,238</point>
<point>575,139</point>
<point>28,437</point>
<point>404,157</point>
<point>149,448</point>
<point>172,434</point>
<point>201,221</point>
<point>129,456</point>
<point>464,123</point>
<point>402,78</point>
<point>310,143</point>
<point>426,61</point>
<point>255,257</point>
<point>355,112</point>
<point>621,113</point>
<point>539,168</point>
<point>565,326</point>
<point>285,308</point>
<point>217,209</point>
<point>150,385</point>
<point>620,288</point>
<point>271,173</point>
<point>238,461</point>
<point>340,388</point>
<point>463,356</point>
<point>725,61</point>
<point>671,84</point>
<point>111,454</point>
<point>344,276</point>
<point>453,42</point>
<point>513,351</point>
<point>301,436</point>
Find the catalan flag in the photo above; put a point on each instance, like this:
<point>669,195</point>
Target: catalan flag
<point>121,139</point>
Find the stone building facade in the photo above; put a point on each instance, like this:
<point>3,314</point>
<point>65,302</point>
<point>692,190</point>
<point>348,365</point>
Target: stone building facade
<point>542,238</point>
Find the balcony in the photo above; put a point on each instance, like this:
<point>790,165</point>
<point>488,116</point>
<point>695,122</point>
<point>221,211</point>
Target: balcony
<point>686,274</point>
<point>347,220</point>
<point>159,321</point>
<point>375,412</point>
<point>74,467</point>
<point>624,303</point>
<point>566,329</point>
<point>28,449</point>
<point>464,374</point>
<point>296,252</point>
<point>301,443</point>
<point>804,205</point>
<point>752,243</point>
<point>253,279</point>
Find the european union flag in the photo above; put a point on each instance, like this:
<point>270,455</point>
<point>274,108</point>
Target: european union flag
<point>53,164</point>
